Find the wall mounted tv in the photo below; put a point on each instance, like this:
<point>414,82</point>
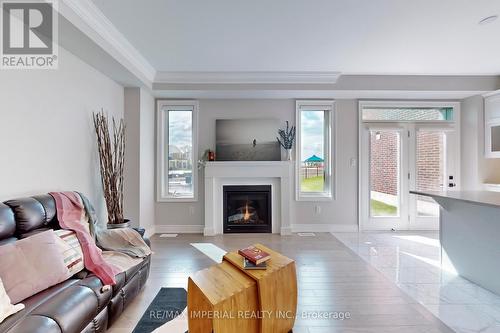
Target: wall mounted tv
<point>247,140</point>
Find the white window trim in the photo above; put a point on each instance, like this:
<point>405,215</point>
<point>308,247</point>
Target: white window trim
<point>162,152</point>
<point>330,148</point>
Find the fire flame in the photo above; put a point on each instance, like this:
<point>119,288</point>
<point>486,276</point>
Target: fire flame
<point>246,216</point>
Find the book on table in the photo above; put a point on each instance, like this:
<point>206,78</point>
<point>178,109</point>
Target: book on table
<point>254,254</point>
<point>247,264</point>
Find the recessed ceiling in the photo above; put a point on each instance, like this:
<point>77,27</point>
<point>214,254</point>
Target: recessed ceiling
<point>425,37</point>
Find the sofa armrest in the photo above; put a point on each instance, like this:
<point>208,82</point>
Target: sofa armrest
<point>142,232</point>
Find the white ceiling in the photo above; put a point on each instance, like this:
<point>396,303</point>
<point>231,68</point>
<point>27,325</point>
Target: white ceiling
<point>348,36</point>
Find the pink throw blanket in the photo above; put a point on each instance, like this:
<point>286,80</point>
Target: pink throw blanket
<point>70,212</point>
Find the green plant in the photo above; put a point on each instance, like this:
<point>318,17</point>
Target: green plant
<point>204,159</point>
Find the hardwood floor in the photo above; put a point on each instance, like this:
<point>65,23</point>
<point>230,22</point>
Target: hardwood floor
<point>333,282</point>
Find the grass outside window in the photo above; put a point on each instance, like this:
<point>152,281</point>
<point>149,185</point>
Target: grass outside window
<point>313,184</point>
<point>379,208</point>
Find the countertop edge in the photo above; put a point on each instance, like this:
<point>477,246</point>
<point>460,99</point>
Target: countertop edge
<point>445,195</point>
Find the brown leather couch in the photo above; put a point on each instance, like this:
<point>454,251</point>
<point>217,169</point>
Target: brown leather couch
<point>77,304</point>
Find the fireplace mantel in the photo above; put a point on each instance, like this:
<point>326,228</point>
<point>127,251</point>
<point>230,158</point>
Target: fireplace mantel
<point>278,174</point>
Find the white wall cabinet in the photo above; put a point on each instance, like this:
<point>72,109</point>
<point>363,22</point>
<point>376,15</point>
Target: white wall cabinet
<point>492,126</point>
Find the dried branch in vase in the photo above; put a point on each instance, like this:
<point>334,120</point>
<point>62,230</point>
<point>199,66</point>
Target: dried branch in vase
<point>287,136</point>
<point>111,148</point>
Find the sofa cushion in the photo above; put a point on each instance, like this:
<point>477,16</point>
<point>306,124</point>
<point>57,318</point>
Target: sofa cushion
<point>33,302</point>
<point>7,222</point>
<point>36,324</point>
<point>31,265</point>
<point>7,309</point>
<point>124,277</point>
<point>29,214</point>
<point>72,309</point>
<point>49,205</point>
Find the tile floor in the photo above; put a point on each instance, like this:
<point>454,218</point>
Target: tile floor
<point>412,261</point>
<point>331,278</point>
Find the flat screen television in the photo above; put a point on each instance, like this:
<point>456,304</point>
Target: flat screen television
<point>247,140</point>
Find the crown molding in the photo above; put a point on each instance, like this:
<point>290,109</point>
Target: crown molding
<point>313,94</point>
<point>247,77</point>
<point>107,36</point>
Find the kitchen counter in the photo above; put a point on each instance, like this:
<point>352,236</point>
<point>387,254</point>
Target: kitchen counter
<point>469,233</point>
<point>487,198</point>
<point>492,187</point>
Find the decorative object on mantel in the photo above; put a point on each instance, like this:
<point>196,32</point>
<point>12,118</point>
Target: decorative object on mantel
<point>287,138</point>
<point>202,162</point>
<point>211,156</point>
<point>111,161</point>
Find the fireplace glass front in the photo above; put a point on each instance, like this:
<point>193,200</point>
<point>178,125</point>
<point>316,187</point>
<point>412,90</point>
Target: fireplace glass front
<point>247,209</point>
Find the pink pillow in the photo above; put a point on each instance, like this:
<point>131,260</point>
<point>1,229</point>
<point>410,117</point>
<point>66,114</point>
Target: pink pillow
<point>31,265</point>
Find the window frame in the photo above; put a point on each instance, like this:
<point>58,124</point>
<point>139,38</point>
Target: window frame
<point>389,104</point>
<point>162,151</point>
<point>329,146</point>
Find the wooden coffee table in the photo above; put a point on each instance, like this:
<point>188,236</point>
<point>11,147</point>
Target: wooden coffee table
<point>239,300</point>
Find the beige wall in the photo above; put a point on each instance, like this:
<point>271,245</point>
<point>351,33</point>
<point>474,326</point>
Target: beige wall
<point>46,130</point>
<point>342,211</point>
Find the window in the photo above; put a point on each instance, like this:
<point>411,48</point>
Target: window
<point>403,114</point>
<point>177,150</point>
<point>314,180</point>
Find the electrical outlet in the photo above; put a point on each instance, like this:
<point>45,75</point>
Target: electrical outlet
<point>353,162</point>
<point>191,210</point>
<point>317,210</point>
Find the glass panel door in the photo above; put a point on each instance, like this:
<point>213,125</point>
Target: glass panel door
<point>385,170</point>
<point>430,169</point>
<point>384,206</point>
<point>406,146</point>
<point>434,171</point>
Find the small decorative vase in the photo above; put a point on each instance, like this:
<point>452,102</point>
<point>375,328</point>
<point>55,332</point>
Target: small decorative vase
<point>288,154</point>
<point>125,224</point>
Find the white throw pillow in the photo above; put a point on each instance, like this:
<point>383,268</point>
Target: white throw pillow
<point>6,308</point>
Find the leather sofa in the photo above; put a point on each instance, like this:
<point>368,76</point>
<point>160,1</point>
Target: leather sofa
<point>77,304</point>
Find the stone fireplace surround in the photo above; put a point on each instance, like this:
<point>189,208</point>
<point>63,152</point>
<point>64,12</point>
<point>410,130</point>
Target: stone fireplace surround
<point>278,174</point>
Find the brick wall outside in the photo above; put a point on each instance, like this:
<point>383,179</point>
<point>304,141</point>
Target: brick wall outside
<point>430,165</point>
<point>384,161</point>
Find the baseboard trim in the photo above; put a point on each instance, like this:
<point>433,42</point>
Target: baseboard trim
<point>199,229</point>
<point>178,229</point>
<point>285,231</point>
<point>324,228</point>
<point>208,232</point>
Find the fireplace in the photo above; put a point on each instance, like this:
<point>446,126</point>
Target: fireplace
<point>247,209</point>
